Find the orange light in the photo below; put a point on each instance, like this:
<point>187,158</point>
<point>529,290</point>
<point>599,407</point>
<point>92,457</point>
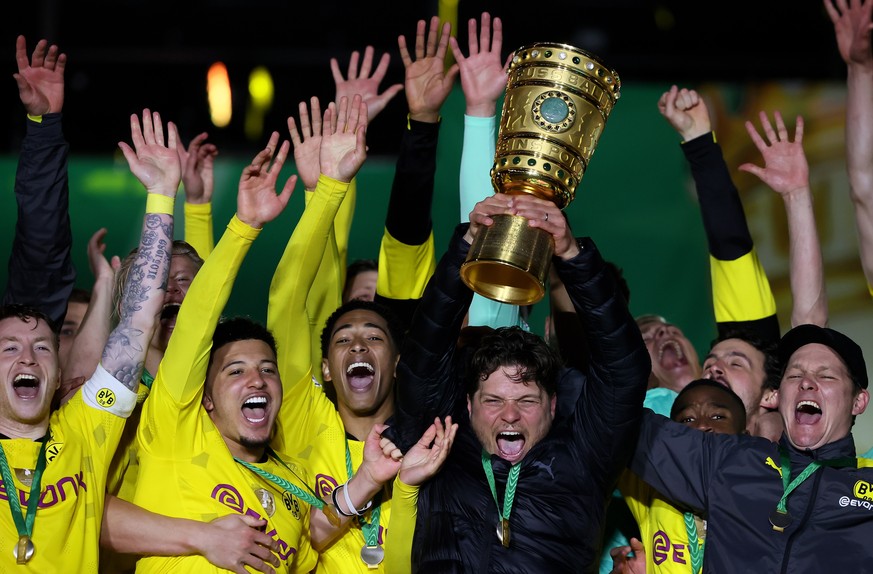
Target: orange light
<point>218,92</point>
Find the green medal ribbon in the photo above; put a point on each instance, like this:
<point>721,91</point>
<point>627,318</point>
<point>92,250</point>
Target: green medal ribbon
<point>695,549</point>
<point>147,379</point>
<point>508,498</point>
<point>369,529</point>
<point>24,524</point>
<point>307,497</point>
<point>780,517</point>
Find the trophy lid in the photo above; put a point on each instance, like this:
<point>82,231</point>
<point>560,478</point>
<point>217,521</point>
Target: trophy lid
<point>565,55</point>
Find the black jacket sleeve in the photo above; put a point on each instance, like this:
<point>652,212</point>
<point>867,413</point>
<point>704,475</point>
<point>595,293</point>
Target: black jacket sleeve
<point>724,220</point>
<point>41,272</point>
<point>427,384</point>
<point>609,407</point>
<point>409,207</point>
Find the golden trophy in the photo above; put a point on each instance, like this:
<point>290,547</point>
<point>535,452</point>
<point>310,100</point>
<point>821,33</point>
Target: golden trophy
<point>557,101</point>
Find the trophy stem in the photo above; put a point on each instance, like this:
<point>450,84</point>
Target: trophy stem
<point>509,261</point>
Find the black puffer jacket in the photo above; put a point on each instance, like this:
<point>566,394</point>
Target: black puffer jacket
<point>565,479</point>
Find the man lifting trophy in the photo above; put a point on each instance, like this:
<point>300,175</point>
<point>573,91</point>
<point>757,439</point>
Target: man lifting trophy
<point>557,101</point>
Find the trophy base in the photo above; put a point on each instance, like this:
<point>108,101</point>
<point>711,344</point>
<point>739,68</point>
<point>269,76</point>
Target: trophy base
<point>509,261</point>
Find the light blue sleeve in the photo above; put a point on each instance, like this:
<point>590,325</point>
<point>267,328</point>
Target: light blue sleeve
<point>480,141</point>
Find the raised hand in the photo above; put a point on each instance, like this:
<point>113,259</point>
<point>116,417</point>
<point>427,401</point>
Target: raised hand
<point>256,201</point>
<point>198,161</point>
<point>41,80</point>
<point>427,83</point>
<point>484,211</point>
<point>483,74</point>
<point>686,111</point>
<point>381,458</point>
<point>361,82</point>
<point>155,164</point>
<point>343,139</point>
<point>853,22</point>
<point>308,147</point>
<point>427,456</point>
<point>540,213</point>
<point>785,167</point>
<point>545,215</point>
<point>101,268</point>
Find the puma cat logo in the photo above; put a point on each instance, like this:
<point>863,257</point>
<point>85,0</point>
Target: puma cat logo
<point>546,467</point>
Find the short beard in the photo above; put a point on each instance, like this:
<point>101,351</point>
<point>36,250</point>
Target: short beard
<point>255,445</point>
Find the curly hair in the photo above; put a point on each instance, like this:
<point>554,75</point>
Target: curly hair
<point>395,326</point>
<point>513,346</point>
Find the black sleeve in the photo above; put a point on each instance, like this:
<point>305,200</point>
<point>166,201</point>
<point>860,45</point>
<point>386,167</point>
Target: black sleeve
<point>723,217</point>
<point>610,405</point>
<point>427,383</point>
<point>724,220</point>
<point>409,207</point>
<point>41,272</point>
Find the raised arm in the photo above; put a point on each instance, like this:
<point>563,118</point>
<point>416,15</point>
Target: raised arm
<point>740,288</point>
<point>182,371</point>
<point>611,400</point>
<point>363,81</point>
<point>325,291</point>
<point>303,263</point>
<point>198,181</point>
<point>342,150</point>
<point>786,171</point>
<point>406,254</point>
<point>88,344</point>
<point>483,81</point>
<point>853,26</point>
<point>41,272</point>
<point>155,163</point>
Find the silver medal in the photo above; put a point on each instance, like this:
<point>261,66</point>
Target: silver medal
<point>372,555</point>
<point>26,544</point>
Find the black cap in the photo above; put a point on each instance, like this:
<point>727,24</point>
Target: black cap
<point>846,348</point>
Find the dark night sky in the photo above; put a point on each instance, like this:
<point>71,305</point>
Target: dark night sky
<point>129,54</point>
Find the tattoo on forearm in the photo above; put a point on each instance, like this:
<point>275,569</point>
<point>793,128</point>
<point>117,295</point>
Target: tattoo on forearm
<point>130,374</point>
<point>125,350</point>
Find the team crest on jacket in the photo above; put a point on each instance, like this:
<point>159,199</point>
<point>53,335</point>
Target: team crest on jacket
<point>863,490</point>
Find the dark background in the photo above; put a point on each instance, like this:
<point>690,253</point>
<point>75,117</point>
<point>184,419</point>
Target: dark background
<point>128,54</point>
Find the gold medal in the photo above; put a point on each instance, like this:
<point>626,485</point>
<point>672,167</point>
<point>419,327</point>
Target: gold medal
<point>23,551</point>
<point>503,532</point>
